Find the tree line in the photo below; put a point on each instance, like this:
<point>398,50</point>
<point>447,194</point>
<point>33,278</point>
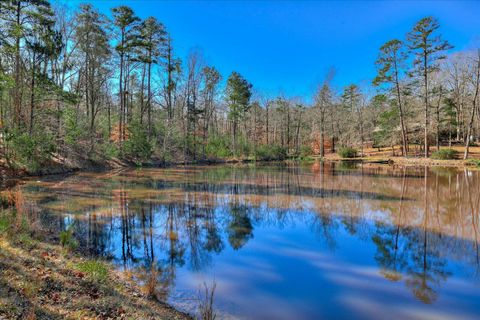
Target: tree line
<point>76,83</point>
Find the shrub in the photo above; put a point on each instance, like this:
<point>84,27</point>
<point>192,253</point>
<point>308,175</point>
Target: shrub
<point>270,152</point>
<point>244,146</point>
<point>347,152</point>
<point>444,154</point>
<point>218,147</point>
<point>137,146</point>
<point>30,150</point>
<point>4,200</point>
<point>4,223</point>
<point>475,162</point>
<point>67,239</point>
<point>151,282</point>
<point>73,131</point>
<point>305,151</point>
<point>109,150</point>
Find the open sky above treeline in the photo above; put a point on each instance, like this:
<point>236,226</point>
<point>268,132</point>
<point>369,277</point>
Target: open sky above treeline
<point>285,47</point>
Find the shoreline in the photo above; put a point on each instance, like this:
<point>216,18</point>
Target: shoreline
<point>41,280</point>
<point>407,161</point>
<point>10,174</point>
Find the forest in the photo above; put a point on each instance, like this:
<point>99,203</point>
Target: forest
<point>78,85</point>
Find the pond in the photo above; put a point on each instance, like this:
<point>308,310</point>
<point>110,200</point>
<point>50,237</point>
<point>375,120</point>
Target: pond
<point>321,240</point>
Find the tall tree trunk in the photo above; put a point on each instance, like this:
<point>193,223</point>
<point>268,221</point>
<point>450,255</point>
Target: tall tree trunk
<point>121,93</point>
<point>169,80</point>
<point>322,133</point>
<point>425,79</point>
<point>400,110</point>
<point>17,114</point>
<point>149,99</point>
<point>234,137</point>
<point>266,126</point>
<point>438,117</point>
<point>288,129</point>
<point>32,96</point>
<point>142,93</point>
<point>297,138</point>
<point>474,108</point>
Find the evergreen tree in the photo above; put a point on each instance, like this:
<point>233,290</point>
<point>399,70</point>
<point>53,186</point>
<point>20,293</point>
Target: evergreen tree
<point>92,39</point>
<point>20,18</point>
<point>389,63</point>
<point>125,20</point>
<point>153,41</point>
<point>238,93</point>
<point>428,49</point>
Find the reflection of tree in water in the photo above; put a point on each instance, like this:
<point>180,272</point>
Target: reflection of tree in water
<point>426,269</point>
<point>240,228</point>
<point>413,252</point>
<point>390,255</point>
<point>222,205</point>
<point>213,241</point>
<point>407,252</point>
<point>325,226</point>
<point>427,266</point>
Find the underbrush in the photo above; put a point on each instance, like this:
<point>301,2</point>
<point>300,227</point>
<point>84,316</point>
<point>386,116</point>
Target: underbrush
<point>218,147</point>
<point>347,152</point>
<point>67,240</point>
<point>305,154</point>
<point>270,152</point>
<point>444,154</point>
<point>29,151</point>
<point>475,162</point>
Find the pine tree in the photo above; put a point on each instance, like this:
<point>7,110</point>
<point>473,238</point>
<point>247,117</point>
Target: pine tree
<point>20,18</point>
<point>428,49</point>
<point>91,36</point>
<point>125,21</point>
<point>238,93</point>
<point>153,41</point>
<point>389,63</point>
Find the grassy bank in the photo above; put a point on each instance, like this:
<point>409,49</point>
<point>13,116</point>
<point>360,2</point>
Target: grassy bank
<point>41,279</point>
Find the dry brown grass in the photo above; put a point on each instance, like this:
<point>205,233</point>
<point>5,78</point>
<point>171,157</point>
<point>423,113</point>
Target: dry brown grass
<point>206,309</point>
<point>150,286</point>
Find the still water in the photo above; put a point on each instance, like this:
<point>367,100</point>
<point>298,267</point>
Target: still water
<point>284,241</point>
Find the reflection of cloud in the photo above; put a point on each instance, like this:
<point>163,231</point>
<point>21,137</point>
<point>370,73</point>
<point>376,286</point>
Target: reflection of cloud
<point>368,308</point>
<point>283,271</point>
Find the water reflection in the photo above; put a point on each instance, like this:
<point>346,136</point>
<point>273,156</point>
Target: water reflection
<point>270,234</point>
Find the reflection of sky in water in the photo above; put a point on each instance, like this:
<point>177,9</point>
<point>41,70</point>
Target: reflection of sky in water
<point>271,262</point>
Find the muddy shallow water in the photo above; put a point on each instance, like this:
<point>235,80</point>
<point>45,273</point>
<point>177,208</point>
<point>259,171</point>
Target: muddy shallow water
<point>284,241</point>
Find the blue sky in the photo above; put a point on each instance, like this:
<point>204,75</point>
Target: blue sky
<point>287,47</point>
